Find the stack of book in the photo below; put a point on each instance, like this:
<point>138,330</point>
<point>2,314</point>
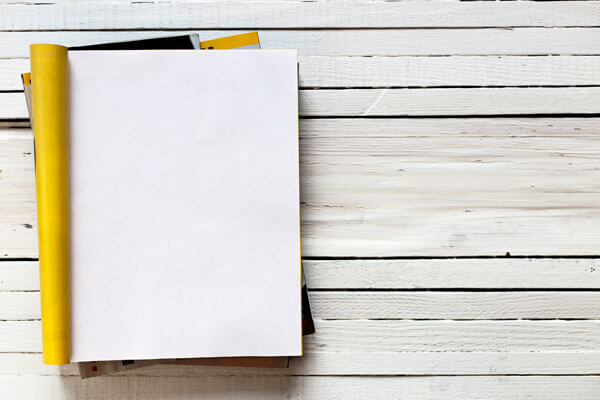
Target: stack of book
<point>167,187</point>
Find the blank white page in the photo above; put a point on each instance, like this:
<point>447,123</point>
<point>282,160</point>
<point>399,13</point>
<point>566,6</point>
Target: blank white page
<point>184,204</point>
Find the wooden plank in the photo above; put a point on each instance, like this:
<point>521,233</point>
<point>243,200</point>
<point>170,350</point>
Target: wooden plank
<point>443,363</point>
<point>422,305</point>
<point>18,229</point>
<point>385,336</point>
<point>270,388</point>
<point>428,218</point>
<point>385,128</point>
<point>495,273</point>
<point>385,191</point>
<point>446,102</point>
<point>66,15</point>
<point>20,306</point>
<point>355,363</point>
<point>415,102</point>
<point>19,276</point>
<point>10,73</point>
<point>339,305</point>
<point>13,106</point>
<point>448,335</point>
<point>525,161</point>
<point>413,71</point>
<point>499,273</point>
<point>375,42</point>
<point>450,196</point>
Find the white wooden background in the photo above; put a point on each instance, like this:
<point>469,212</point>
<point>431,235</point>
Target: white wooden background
<point>436,138</point>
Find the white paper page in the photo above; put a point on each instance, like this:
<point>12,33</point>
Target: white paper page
<point>184,204</point>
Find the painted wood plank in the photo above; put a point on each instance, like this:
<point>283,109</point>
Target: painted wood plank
<point>415,128</point>
<point>13,106</point>
<point>354,363</point>
<point>385,336</point>
<point>413,71</point>
<point>67,15</point>
<point>19,276</point>
<point>383,192</point>
<point>367,42</point>
<point>448,335</point>
<point>449,194</point>
<point>10,73</point>
<point>296,388</point>
<point>17,194</point>
<point>415,102</point>
<point>500,273</point>
<point>339,305</point>
<point>446,102</point>
<point>462,224</point>
<point>421,305</point>
<point>496,273</point>
<point>444,363</point>
<point>20,306</point>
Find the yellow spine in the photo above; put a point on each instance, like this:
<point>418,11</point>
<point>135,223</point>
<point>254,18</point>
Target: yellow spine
<point>49,79</point>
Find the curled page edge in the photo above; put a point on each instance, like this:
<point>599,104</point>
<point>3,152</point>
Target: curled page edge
<point>50,80</point>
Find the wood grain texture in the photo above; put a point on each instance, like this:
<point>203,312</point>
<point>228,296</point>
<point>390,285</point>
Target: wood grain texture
<point>378,71</point>
<point>10,73</point>
<point>415,102</point>
<point>447,102</point>
<point>17,194</point>
<point>364,42</point>
<point>13,106</point>
<point>451,192</point>
<point>296,388</point>
<point>495,273</point>
<point>340,305</point>
<point>355,364</point>
<point>389,128</point>
<point>429,305</point>
<point>477,187</point>
<point>401,336</point>
<point>377,187</point>
<point>386,348</point>
<point>19,276</point>
<point>499,273</point>
<point>413,71</point>
<point>67,15</point>
<point>445,335</point>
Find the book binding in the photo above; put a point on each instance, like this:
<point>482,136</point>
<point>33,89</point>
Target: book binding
<point>50,80</point>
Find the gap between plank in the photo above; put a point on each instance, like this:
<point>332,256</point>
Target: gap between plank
<point>343,258</point>
<point>312,88</point>
<point>24,123</point>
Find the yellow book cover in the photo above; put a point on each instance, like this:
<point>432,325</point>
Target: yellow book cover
<point>49,68</point>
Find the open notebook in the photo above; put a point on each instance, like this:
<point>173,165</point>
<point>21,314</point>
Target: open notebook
<point>182,201</point>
